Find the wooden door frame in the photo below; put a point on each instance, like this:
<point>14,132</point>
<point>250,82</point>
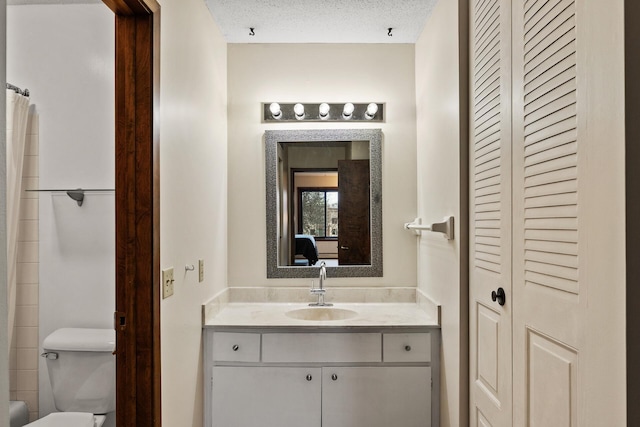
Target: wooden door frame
<point>137,317</point>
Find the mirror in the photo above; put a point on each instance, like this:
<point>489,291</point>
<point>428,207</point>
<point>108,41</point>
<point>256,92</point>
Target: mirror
<point>324,202</point>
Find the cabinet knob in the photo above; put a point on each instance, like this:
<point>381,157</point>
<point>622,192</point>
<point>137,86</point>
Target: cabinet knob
<point>235,347</point>
<point>407,348</point>
<point>334,377</point>
<point>309,377</point>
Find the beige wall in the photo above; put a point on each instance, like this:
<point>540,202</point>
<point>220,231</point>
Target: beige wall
<point>193,217</point>
<point>441,263</point>
<point>4,345</point>
<point>316,73</point>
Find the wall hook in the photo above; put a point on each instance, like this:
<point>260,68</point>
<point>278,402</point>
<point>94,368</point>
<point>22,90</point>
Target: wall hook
<point>252,32</point>
<point>189,267</point>
<point>389,32</point>
<point>77,195</point>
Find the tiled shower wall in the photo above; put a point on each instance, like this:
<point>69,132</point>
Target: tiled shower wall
<point>24,347</point>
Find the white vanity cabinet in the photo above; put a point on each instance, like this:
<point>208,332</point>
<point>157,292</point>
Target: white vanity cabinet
<point>321,378</point>
<point>256,396</point>
<point>376,396</point>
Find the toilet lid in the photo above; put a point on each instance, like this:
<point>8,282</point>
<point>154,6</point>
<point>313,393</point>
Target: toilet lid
<point>81,339</point>
<point>65,419</point>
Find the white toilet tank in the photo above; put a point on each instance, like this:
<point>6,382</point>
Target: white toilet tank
<point>82,369</point>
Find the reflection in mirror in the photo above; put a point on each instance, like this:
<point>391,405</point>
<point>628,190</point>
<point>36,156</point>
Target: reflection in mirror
<point>324,202</point>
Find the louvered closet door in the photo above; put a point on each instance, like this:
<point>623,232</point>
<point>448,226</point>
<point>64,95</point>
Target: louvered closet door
<point>548,324</point>
<point>490,214</point>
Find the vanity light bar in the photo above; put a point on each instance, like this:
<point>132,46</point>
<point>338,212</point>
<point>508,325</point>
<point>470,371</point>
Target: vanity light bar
<point>322,112</point>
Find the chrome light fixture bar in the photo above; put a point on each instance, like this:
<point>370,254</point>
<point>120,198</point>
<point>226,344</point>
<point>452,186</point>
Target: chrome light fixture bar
<point>273,112</point>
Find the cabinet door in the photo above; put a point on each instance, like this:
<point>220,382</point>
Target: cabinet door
<point>376,397</point>
<point>266,397</point>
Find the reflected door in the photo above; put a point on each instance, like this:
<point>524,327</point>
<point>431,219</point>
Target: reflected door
<point>354,242</point>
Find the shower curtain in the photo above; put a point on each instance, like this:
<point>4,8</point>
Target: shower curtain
<point>17,117</point>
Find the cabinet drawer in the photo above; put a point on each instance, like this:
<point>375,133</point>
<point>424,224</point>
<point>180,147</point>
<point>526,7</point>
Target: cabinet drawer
<point>236,347</point>
<point>407,347</point>
<point>321,347</point>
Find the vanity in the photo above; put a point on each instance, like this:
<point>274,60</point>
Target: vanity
<point>291,365</point>
<point>372,359</point>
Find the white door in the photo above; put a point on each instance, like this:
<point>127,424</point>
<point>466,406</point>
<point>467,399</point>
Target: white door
<point>548,326</point>
<point>376,397</point>
<point>266,397</point>
<point>559,218</point>
<point>490,214</point>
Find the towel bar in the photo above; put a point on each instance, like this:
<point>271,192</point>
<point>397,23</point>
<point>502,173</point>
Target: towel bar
<point>445,227</point>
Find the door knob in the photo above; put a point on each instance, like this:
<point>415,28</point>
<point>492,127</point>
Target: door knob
<point>499,296</point>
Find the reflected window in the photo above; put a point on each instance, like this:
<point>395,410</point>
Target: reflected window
<point>319,212</point>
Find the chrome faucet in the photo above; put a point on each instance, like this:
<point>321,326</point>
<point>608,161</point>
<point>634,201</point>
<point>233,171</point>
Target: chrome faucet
<point>323,273</point>
<point>320,291</point>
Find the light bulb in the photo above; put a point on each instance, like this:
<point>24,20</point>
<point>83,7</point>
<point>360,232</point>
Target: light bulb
<point>372,109</point>
<point>324,110</point>
<point>275,110</point>
<point>347,111</point>
<point>298,109</point>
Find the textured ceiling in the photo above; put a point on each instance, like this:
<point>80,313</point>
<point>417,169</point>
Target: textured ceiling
<point>321,21</point>
<point>310,21</point>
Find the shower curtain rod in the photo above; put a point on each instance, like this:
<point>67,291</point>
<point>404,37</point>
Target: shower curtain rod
<point>16,89</point>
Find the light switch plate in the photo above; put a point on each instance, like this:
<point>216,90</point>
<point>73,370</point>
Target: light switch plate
<point>200,270</point>
<point>167,282</point>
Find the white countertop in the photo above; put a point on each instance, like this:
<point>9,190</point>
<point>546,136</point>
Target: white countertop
<point>241,314</point>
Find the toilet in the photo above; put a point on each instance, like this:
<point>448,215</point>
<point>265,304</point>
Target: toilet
<point>82,373</point>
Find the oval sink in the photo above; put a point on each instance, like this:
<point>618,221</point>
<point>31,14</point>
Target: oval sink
<point>321,313</point>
